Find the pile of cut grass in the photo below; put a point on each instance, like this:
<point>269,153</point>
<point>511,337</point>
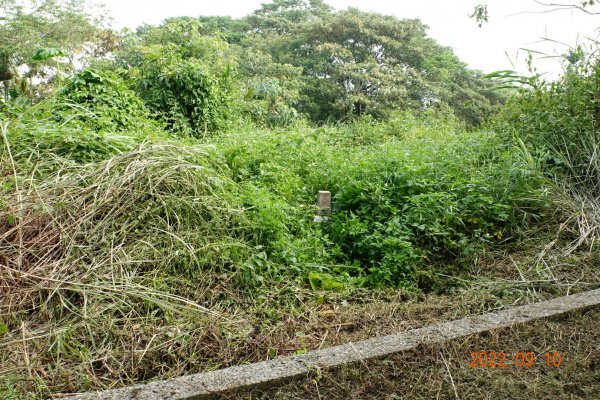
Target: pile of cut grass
<point>91,251</point>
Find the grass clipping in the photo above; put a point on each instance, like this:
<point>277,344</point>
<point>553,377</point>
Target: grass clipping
<point>84,250</point>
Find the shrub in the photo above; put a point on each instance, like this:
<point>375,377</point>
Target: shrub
<point>404,198</point>
<point>102,101</point>
<point>558,122</point>
<point>183,76</point>
<point>192,99</point>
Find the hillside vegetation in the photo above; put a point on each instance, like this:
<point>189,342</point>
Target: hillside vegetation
<point>157,204</point>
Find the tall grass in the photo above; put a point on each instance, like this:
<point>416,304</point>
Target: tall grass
<point>125,260</point>
<point>558,124</point>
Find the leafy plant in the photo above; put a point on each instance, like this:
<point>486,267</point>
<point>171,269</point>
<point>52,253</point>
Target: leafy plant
<point>47,53</point>
<point>556,124</point>
<point>102,101</point>
<point>401,201</point>
<point>182,76</point>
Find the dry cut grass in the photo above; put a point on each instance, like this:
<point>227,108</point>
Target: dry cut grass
<point>444,371</point>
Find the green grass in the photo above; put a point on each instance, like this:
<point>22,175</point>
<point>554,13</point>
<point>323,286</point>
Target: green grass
<point>133,255</point>
<point>403,200</point>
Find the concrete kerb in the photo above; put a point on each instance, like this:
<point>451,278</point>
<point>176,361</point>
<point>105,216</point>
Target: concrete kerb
<point>208,385</point>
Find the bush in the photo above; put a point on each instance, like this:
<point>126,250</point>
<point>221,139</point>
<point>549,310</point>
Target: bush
<point>183,76</point>
<point>431,201</point>
<point>190,98</point>
<point>102,101</point>
<point>403,198</point>
<point>558,122</point>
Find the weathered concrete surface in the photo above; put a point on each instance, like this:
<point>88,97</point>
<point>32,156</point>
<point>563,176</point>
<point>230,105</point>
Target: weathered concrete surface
<point>210,384</point>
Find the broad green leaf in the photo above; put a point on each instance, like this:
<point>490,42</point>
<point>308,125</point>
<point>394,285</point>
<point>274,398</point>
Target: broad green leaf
<point>46,53</point>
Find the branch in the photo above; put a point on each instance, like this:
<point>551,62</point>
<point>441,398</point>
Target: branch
<point>560,7</point>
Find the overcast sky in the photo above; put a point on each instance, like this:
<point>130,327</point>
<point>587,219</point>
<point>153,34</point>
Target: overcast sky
<point>514,24</point>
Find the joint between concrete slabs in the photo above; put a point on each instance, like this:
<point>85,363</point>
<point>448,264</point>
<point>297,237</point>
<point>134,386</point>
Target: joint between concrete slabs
<point>268,373</point>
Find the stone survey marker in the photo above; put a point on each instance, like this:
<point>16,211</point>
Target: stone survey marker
<point>323,205</point>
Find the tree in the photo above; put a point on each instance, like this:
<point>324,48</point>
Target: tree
<point>356,63</point>
<point>229,29</point>
<point>34,33</point>
<point>282,16</point>
<point>272,90</point>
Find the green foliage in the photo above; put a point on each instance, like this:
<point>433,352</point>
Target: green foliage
<point>323,281</point>
<point>401,201</point>
<point>272,89</point>
<point>284,16</point>
<point>408,191</point>
<point>102,101</point>
<point>555,126</point>
<point>47,53</point>
<point>293,59</point>
<point>120,235</point>
<point>229,29</point>
<point>558,122</point>
<point>186,95</point>
<point>433,204</point>
<point>472,97</point>
<point>183,76</point>
<point>356,63</point>
<point>30,25</point>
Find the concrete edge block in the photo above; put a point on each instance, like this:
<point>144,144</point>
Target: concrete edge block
<point>208,385</point>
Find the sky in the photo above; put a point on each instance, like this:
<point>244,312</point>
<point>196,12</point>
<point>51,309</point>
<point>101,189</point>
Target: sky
<point>514,25</point>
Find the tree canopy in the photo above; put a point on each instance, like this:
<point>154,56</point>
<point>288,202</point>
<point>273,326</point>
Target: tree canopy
<point>357,63</point>
<point>288,59</point>
<point>39,37</point>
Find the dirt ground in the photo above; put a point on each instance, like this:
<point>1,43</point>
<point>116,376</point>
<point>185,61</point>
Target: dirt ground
<point>444,371</point>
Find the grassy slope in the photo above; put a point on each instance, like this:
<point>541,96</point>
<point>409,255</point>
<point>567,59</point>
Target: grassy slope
<point>129,262</point>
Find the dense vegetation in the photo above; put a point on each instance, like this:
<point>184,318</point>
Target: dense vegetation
<point>170,181</point>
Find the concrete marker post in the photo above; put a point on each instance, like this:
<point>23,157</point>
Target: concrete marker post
<point>323,206</point>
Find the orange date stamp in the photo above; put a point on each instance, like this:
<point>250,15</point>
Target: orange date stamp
<point>522,359</point>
